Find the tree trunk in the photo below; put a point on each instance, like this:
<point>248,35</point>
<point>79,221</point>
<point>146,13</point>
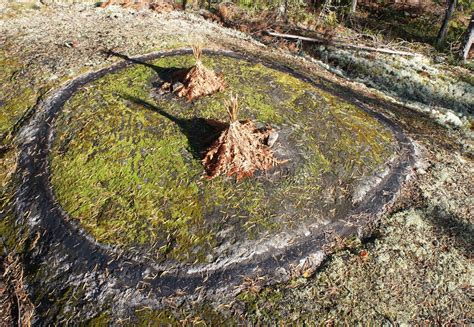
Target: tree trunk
<point>444,28</point>
<point>353,6</point>
<point>468,39</point>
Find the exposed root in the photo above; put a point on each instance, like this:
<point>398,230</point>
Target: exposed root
<point>16,309</point>
<point>240,150</point>
<point>196,81</point>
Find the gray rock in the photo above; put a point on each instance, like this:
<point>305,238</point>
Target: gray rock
<point>177,86</point>
<point>439,59</point>
<point>272,139</point>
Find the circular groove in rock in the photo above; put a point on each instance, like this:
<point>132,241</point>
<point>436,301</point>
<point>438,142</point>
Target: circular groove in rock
<point>65,242</point>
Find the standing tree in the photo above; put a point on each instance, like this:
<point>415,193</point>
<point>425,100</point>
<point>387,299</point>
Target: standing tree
<point>353,6</point>
<point>451,6</point>
<point>468,39</point>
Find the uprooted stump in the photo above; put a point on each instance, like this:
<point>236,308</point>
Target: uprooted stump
<point>241,149</point>
<point>196,81</point>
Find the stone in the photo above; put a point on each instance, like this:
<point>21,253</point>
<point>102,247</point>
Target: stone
<point>272,139</point>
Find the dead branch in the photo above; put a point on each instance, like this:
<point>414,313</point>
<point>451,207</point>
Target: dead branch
<point>341,44</point>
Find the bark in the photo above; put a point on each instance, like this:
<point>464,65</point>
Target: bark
<point>447,17</point>
<point>353,6</point>
<point>197,4</point>
<point>468,39</point>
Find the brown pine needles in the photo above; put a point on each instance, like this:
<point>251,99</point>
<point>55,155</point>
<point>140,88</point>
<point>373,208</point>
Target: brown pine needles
<point>240,150</point>
<point>16,308</point>
<point>197,81</point>
<point>157,6</point>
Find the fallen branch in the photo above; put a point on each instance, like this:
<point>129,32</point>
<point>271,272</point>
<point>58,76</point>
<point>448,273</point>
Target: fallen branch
<point>341,44</point>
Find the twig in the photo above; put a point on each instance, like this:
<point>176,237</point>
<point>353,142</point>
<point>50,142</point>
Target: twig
<point>341,44</point>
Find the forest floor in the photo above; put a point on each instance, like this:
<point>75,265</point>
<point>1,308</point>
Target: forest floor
<point>417,266</point>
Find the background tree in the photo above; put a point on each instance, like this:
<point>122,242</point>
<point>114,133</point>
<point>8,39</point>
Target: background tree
<point>468,39</point>
<point>451,6</point>
<point>353,6</point>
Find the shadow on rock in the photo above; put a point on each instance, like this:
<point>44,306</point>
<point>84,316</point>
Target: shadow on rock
<point>166,74</point>
<point>201,132</point>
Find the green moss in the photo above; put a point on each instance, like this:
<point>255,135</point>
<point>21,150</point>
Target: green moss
<point>129,173</point>
<point>7,167</point>
<point>15,94</point>
<point>8,229</point>
<point>100,321</point>
<point>203,315</point>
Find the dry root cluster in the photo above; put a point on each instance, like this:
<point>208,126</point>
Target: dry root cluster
<point>240,150</point>
<point>196,81</point>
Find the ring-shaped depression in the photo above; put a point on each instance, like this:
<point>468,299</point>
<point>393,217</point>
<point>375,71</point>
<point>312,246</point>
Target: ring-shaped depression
<point>125,161</point>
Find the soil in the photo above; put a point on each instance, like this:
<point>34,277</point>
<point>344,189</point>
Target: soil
<point>413,265</point>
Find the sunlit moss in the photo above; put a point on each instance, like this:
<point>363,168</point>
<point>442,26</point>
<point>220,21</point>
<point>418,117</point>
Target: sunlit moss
<point>123,161</point>
<point>16,95</point>
<point>204,315</point>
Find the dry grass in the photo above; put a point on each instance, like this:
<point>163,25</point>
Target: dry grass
<point>240,150</point>
<point>227,11</point>
<point>195,82</point>
<point>162,6</point>
<point>158,6</point>
<point>16,307</point>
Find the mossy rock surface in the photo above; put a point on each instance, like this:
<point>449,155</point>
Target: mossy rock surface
<point>125,160</point>
<point>16,95</point>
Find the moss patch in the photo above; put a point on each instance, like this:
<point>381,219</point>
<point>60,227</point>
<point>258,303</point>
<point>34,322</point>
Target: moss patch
<point>124,161</point>
<point>203,315</point>
<point>16,95</point>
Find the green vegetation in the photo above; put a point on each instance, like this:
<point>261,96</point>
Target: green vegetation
<point>16,95</point>
<point>124,161</point>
